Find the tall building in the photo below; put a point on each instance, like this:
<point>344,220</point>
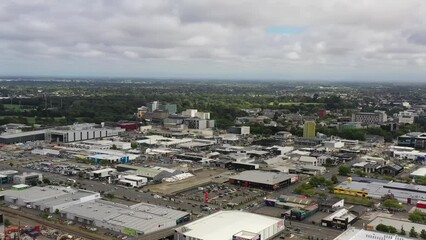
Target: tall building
<point>309,129</point>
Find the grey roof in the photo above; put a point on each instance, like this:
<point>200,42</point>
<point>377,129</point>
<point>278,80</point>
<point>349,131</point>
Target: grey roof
<point>142,217</point>
<point>262,177</point>
<point>35,194</point>
<point>401,191</point>
<point>23,134</point>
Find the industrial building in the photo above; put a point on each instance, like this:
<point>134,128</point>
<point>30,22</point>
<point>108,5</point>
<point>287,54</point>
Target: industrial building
<point>102,173</point>
<point>132,181</point>
<point>22,137</point>
<point>230,225</point>
<point>361,234</point>
<point>49,198</point>
<point>80,132</point>
<point>397,223</point>
<point>263,180</point>
<point>133,220</point>
<point>151,173</point>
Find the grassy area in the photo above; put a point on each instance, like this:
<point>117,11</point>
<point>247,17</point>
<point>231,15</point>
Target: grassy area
<point>294,103</point>
<point>18,107</point>
<point>356,200</point>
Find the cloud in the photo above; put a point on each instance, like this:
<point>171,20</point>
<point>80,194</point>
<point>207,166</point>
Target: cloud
<point>241,38</point>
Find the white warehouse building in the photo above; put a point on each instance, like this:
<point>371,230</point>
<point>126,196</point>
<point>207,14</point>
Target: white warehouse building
<point>229,225</point>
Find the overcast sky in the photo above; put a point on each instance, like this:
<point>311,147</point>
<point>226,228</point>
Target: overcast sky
<point>260,39</point>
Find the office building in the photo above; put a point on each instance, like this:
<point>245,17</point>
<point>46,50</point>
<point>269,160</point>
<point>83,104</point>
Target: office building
<point>413,139</point>
<point>28,178</point>
<point>241,130</point>
<point>309,129</point>
<point>376,117</point>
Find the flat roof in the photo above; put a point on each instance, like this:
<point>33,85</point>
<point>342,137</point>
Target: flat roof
<point>361,234</point>
<point>23,134</point>
<point>421,172</point>
<point>35,194</point>
<point>397,223</point>
<point>224,224</point>
<point>379,189</point>
<point>268,178</point>
<point>142,217</point>
<point>104,170</point>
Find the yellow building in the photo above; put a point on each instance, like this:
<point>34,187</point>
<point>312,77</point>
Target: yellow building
<point>309,129</point>
<point>351,192</point>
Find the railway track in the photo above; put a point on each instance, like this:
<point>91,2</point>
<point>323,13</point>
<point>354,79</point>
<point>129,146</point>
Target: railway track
<point>64,228</point>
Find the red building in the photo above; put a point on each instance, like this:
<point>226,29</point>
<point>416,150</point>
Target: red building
<point>131,126</point>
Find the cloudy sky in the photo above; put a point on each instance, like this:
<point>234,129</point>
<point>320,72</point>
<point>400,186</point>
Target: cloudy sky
<point>379,40</point>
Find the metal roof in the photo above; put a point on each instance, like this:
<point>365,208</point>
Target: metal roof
<point>269,178</point>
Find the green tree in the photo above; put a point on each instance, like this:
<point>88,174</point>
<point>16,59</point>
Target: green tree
<point>46,181</point>
<point>392,204</point>
<point>413,233</point>
<point>382,228</point>
<point>57,211</point>
<point>344,170</point>
<point>133,145</point>
<point>417,217</point>
<point>402,232</point>
<point>423,234</point>
<point>334,179</point>
<point>7,222</point>
<point>114,147</point>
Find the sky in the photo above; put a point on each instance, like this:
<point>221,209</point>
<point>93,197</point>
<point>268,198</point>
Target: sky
<point>362,40</point>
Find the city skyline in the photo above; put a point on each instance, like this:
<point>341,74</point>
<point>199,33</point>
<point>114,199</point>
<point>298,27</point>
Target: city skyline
<point>285,40</point>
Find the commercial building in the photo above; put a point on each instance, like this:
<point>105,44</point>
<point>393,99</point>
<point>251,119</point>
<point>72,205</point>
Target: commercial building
<point>413,139</point>
<point>361,234</point>
<point>376,117</point>
<point>28,178</point>
<point>341,219</point>
<point>231,225</point>
<point>6,176</point>
<point>262,179</point>
<point>49,198</point>
<point>309,130</point>
<point>80,132</point>
<point>151,173</point>
<point>406,117</point>
<point>22,137</point>
<point>377,189</point>
<point>133,220</point>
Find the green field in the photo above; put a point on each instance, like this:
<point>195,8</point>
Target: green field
<point>17,107</point>
<point>294,103</point>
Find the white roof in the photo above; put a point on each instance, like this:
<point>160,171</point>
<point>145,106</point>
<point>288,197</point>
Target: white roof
<point>224,224</point>
<point>104,170</point>
<point>361,234</point>
<point>421,172</point>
